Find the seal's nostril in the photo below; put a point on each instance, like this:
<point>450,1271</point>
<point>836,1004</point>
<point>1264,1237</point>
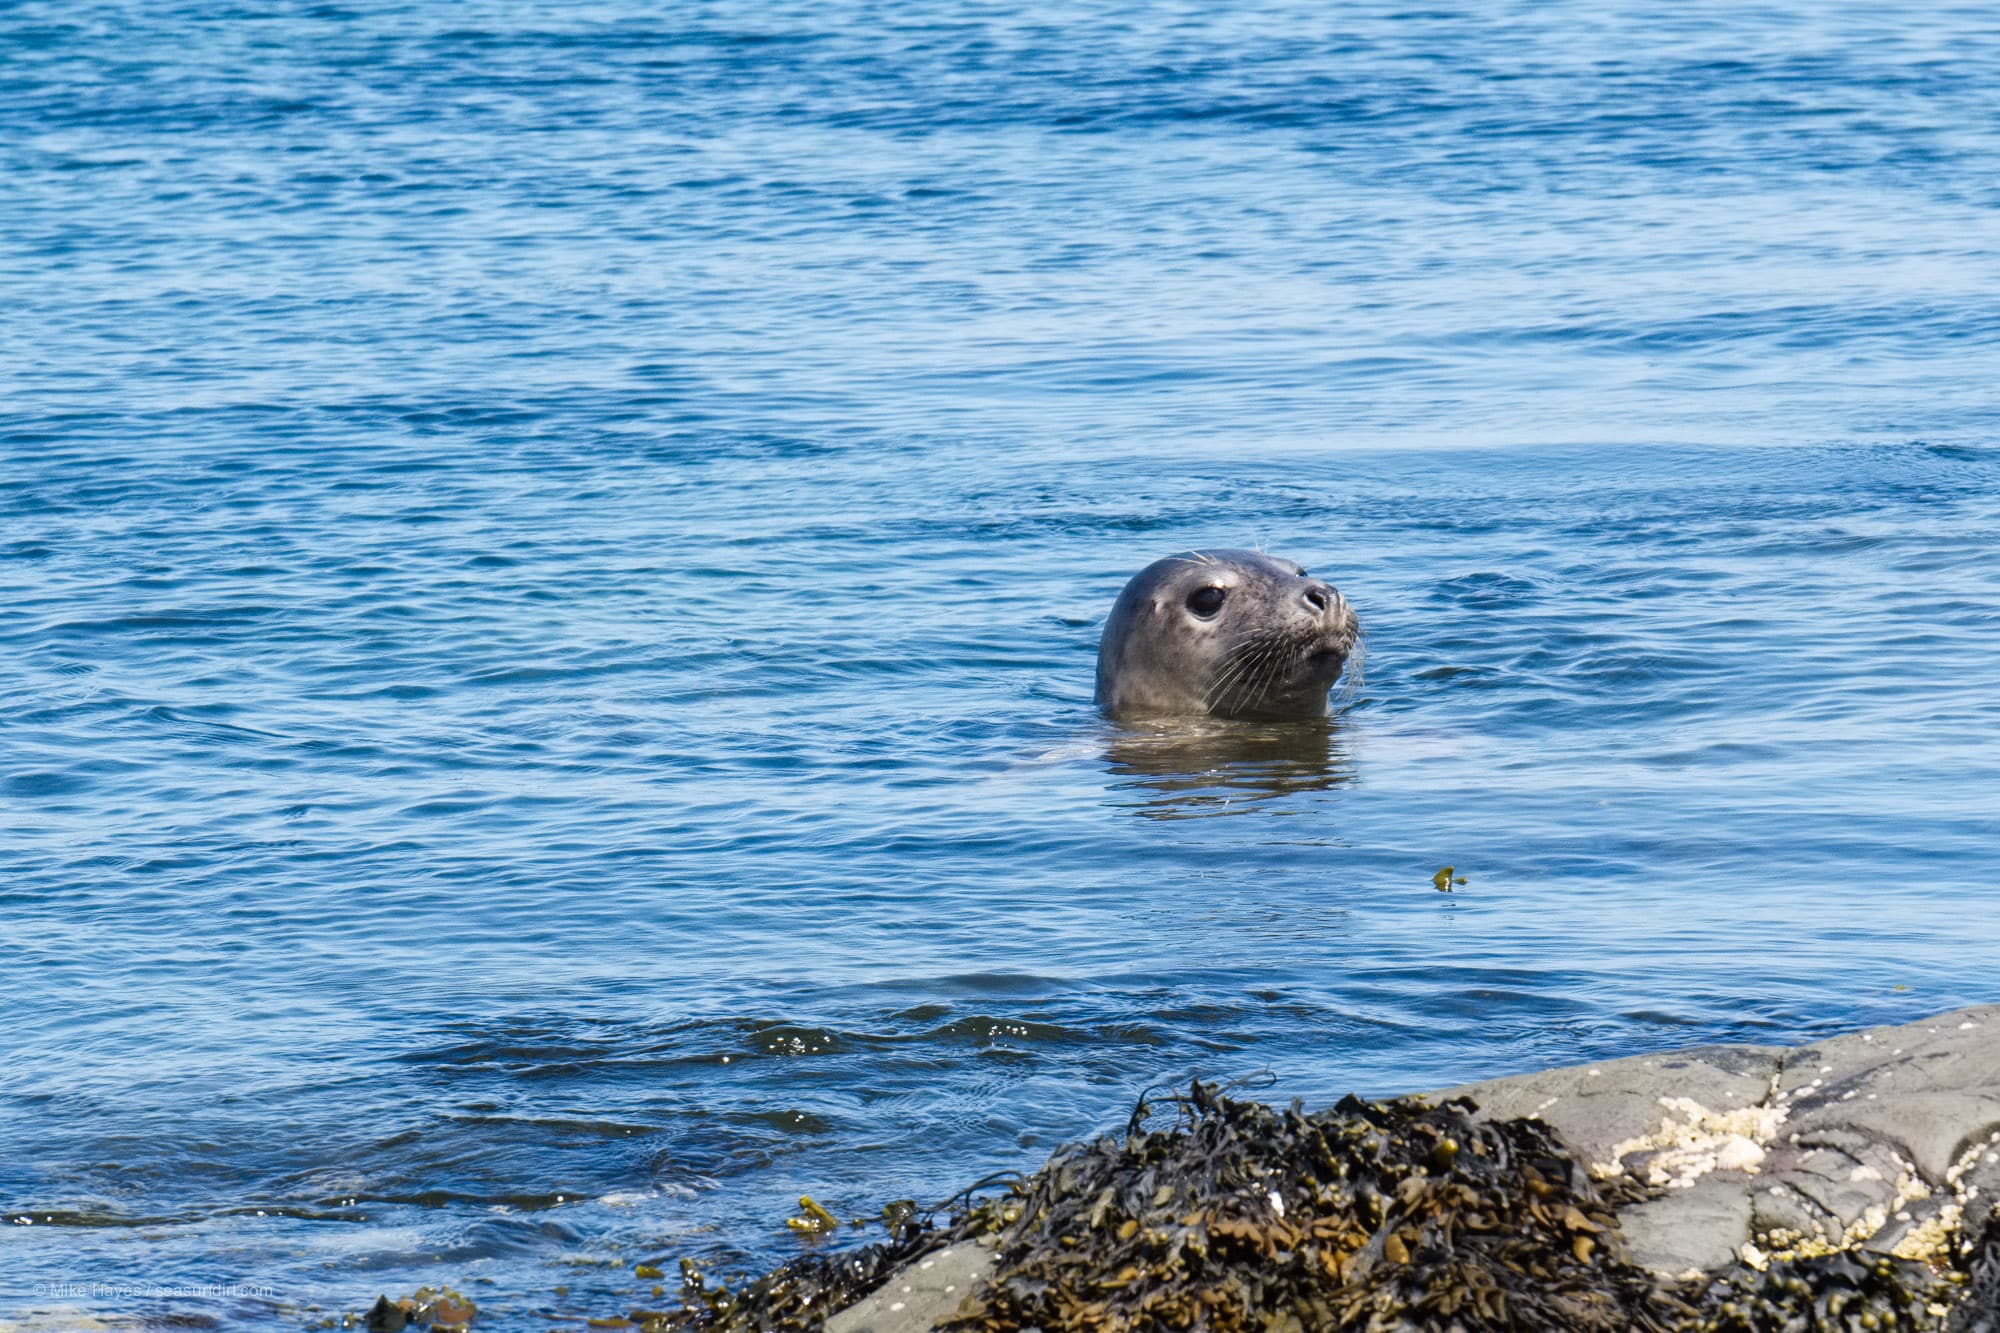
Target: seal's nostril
<point>1319,598</point>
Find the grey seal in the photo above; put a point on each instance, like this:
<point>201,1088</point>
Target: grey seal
<point>1224,633</point>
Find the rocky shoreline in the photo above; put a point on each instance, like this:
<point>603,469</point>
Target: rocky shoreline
<point>1845,1185</point>
<point>1758,1168</point>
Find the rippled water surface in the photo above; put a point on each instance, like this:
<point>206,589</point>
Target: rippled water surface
<point>553,556</point>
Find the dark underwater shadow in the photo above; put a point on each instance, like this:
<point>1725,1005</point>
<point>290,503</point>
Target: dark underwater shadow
<point>1189,768</point>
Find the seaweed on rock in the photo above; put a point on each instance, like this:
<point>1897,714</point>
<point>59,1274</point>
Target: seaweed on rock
<point>1979,1311</point>
<point>1366,1218</point>
<point>1846,1292</point>
<point>802,1292</point>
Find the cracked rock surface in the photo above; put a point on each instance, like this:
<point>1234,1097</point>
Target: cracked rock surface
<point>1884,1141</point>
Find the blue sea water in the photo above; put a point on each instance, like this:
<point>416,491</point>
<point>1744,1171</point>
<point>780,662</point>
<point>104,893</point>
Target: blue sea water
<point>552,556</point>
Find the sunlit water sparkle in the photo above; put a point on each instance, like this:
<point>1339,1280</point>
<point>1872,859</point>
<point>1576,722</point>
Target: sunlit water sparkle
<point>553,556</point>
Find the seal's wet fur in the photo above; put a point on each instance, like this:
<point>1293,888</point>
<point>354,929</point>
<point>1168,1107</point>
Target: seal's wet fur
<point>1227,634</point>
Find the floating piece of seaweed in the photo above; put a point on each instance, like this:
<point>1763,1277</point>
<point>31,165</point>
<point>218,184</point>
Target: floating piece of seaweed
<point>812,1218</point>
<point>1367,1218</point>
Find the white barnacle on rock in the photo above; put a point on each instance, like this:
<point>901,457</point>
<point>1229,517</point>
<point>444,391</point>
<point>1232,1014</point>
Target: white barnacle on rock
<point>1739,1154</point>
<point>1931,1239</point>
<point>1970,1158</point>
<point>1692,1141</point>
<point>1910,1188</point>
<point>1784,1243</point>
<point>1871,1221</point>
<point>1780,1238</point>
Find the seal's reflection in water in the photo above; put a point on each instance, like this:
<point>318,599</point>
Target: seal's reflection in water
<point>1189,768</point>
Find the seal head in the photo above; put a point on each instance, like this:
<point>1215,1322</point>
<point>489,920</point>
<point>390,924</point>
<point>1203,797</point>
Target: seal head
<point>1224,633</point>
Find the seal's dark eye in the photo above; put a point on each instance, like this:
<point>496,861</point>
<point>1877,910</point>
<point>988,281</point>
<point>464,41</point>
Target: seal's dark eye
<point>1206,602</point>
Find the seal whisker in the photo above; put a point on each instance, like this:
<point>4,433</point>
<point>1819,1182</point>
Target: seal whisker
<point>1245,660</point>
<point>1259,681</point>
<point>1271,651</point>
<point>1236,666</point>
<point>1280,655</point>
<point>1357,669</point>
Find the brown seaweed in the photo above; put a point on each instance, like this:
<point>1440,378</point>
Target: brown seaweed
<point>1848,1292</point>
<point>1372,1216</point>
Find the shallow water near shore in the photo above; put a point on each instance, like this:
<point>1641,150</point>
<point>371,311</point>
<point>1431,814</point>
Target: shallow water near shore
<point>553,559</point>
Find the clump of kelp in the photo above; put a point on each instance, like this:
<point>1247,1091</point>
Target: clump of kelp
<point>1979,1311</point>
<point>1851,1290</point>
<point>802,1292</point>
<point>1372,1216</point>
<point>1241,1217</point>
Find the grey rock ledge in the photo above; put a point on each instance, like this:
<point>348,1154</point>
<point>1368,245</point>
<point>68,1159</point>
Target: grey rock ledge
<point>1884,1140</point>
